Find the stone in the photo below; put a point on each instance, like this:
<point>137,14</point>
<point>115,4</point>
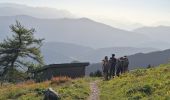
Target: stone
<point>50,94</point>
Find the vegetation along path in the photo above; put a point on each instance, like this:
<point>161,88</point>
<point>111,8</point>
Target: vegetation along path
<point>94,91</point>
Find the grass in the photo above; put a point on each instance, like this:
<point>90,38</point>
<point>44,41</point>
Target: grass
<point>77,89</point>
<point>140,84</point>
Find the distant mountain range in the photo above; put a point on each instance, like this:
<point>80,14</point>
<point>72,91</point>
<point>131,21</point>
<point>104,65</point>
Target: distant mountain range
<point>142,60</point>
<point>160,34</point>
<point>68,38</point>
<point>62,26</point>
<point>10,9</point>
<point>57,52</point>
<point>81,31</point>
<point>89,33</point>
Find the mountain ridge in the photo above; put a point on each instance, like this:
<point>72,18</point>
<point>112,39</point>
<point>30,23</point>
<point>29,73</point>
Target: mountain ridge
<point>11,9</point>
<point>76,31</point>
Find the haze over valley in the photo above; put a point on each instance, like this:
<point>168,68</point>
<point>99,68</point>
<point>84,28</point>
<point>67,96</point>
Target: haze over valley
<point>69,37</point>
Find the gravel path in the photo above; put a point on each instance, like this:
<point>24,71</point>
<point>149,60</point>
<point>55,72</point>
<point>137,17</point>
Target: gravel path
<point>94,91</point>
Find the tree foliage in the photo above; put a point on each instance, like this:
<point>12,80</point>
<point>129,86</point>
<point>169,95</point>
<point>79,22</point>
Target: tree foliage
<point>21,51</point>
<point>98,73</point>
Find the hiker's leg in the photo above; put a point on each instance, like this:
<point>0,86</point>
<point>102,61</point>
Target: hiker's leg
<point>113,73</point>
<point>105,75</point>
<point>117,71</point>
<point>110,73</point>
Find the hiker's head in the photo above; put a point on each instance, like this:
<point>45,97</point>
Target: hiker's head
<point>113,55</point>
<point>106,58</point>
<point>125,57</point>
<point>121,58</point>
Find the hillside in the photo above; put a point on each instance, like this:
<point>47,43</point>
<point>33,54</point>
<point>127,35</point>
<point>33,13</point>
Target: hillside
<point>152,84</point>
<point>142,60</point>
<point>98,54</point>
<point>67,88</point>
<point>58,52</point>
<point>141,84</point>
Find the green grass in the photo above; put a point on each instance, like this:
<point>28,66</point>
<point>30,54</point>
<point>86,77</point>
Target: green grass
<point>140,84</point>
<point>77,89</point>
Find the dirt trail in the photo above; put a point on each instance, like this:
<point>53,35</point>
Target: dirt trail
<point>94,91</point>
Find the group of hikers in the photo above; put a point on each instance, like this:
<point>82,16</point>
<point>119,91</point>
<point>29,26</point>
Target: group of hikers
<point>114,67</point>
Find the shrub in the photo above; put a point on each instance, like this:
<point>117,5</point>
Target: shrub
<point>149,66</point>
<point>15,76</point>
<point>98,73</point>
<point>91,74</point>
<point>139,72</point>
<point>146,89</point>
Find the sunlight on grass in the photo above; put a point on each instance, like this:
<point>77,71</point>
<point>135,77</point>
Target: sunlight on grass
<point>69,89</point>
<point>147,84</point>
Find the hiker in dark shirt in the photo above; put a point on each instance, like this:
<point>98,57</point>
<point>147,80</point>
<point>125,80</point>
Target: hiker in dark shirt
<point>112,66</point>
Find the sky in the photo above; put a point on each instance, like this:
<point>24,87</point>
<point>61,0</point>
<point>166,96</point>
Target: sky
<point>136,12</point>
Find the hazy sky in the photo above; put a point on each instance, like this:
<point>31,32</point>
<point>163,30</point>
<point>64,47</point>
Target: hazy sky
<point>147,12</point>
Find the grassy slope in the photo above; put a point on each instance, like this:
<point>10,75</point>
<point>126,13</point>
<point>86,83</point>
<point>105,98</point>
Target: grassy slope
<point>146,84</point>
<point>71,90</point>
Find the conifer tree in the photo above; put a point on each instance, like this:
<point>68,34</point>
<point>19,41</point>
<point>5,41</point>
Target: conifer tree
<point>22,50</point>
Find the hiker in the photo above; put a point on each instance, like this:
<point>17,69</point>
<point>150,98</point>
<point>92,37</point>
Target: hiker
<point>112,66</point>
<point>106,67</point>
<point>125,64</point>
<point>119,66</point>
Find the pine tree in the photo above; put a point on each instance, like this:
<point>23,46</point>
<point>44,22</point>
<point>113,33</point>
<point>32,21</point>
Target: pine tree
<point>22,50</point>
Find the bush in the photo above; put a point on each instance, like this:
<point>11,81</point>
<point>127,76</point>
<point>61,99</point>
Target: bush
<point>98,73</point>
<point>146,89</point>
<point>149,66</point>
<point>14,76</point>
<point>91,74</point>
<point>139,72</point>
